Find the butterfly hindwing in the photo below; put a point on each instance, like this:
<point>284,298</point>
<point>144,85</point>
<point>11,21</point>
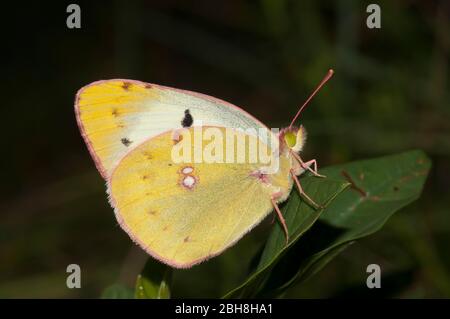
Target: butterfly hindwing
<point>184,213</point>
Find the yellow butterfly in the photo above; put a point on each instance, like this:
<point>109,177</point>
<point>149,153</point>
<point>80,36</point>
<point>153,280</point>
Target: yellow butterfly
<point>183,212</point>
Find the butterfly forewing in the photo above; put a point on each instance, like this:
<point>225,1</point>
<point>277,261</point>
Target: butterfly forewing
<point>115,116</point>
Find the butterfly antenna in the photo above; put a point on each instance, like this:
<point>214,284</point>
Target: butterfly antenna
<point>325,80</point>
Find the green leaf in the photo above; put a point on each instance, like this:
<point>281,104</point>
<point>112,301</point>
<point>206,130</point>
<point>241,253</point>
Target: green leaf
<point>299,217</point>
<point>117,291</point>
<point>379,188</point>
<point>154,281</point>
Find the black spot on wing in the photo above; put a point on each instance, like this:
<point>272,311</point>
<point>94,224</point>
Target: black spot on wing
<point>187,119</point>
<point>125,141</point>
<point>126,85</point>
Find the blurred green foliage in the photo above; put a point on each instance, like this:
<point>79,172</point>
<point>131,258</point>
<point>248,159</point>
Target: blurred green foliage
<point>390,93</point>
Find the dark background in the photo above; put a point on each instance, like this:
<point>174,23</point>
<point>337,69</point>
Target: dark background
<point>390,93</point>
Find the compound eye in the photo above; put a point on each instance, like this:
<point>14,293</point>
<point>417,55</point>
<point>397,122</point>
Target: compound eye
<point>291,139</point>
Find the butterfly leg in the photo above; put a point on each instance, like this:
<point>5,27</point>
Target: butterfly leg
<point>280,216</point>
<point>302,192</point>
<point>275,196</point>
<point>307,165</point>
<point>314,170</point>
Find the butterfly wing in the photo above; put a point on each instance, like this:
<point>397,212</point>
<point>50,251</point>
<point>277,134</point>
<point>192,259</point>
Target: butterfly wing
<point>185,213</point>
<point>114,116</point>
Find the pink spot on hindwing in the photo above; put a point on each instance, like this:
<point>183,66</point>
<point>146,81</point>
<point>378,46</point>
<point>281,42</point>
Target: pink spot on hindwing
<point>189,181</point>
<point>187,170</point>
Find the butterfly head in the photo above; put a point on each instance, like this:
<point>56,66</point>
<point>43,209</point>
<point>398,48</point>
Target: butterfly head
<point>293,138</point>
